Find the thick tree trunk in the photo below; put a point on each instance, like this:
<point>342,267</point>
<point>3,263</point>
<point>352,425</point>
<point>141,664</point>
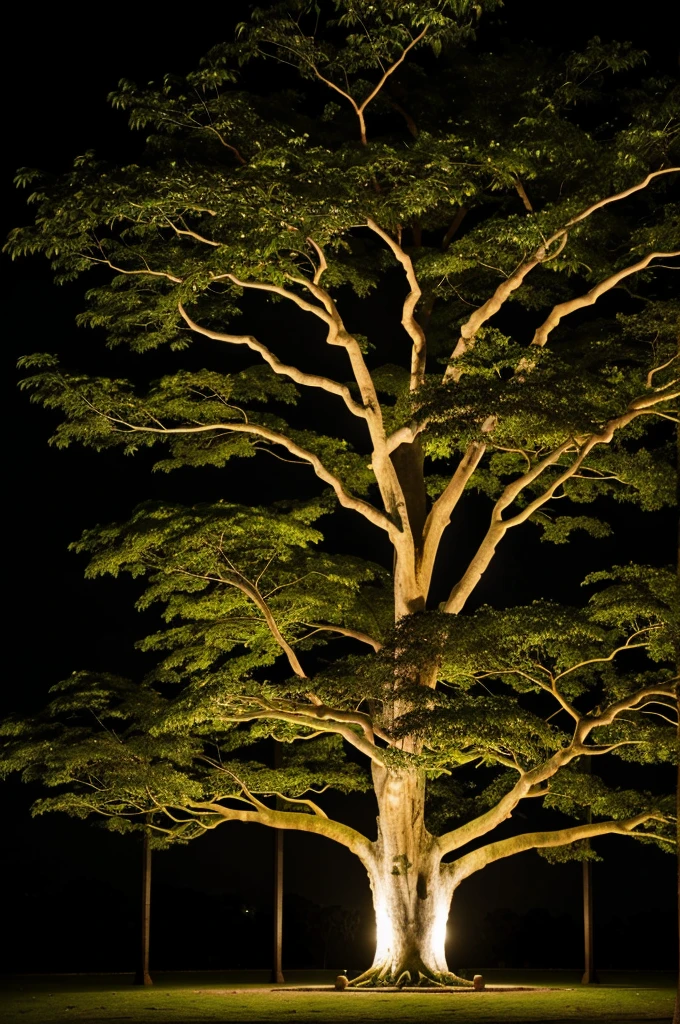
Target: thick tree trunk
<point>411,890</point>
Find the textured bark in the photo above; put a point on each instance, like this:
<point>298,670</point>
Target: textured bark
<point>411,890</point>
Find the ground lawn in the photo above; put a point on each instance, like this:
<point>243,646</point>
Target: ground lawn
<point>197,998</point>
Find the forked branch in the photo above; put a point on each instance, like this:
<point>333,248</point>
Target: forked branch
<point>499,526</point>
<point>408,319</point>
<point>359,108</point>
<point>542,253</point>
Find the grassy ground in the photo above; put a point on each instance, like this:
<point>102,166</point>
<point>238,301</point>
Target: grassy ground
<point>230,997</point>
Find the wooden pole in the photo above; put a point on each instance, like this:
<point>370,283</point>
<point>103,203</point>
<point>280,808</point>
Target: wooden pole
<point>676,1012</point>
<point>589,974</point>
<point>277,951</point>
<point>142,977</point>
<point>277,969</point>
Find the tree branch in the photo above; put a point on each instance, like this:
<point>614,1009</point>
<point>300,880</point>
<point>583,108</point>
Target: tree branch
<point>146,272</point>
<point>521,192</point>
<point>360,108</point>
<point>408,320</point>
<point>478,859</point>
<point>564,308</point>
<point>440,513</point>
<point>606,717</point>
<point>488,309</point>
<point>347,500</point>
<point>497,530</point>
<point>390,488</point>
<point>504,290</point>
<point>299,376</point>
<point>355,634</point>
<point>251,591</point>
<point>297,821</point>
<point>307,718</point>
<point>499,526</point>
<point>628,646</point>
<point>453,227</point>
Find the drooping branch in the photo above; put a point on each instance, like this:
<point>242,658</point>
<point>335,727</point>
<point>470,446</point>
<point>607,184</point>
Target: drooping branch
<point>312,380</point>
<point>408,320</point>
<point>294,820</point>
<point>284,293</point>
<point>347,500</point>
<point>250,590</point>
<point>355,634</point>
<point>316,716</point>
<point>478,859</point>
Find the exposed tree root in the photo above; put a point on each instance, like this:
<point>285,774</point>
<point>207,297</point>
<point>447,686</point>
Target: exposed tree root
<point>385,975</point>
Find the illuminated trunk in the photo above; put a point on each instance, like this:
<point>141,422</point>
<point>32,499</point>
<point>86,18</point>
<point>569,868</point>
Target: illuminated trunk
<point>411,891</point>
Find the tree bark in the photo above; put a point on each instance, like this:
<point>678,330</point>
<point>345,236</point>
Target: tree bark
<point>277,951</point>
<point>589,974</point>
<point>277,960</point>
<point>411,889</point>
<point>676,1013</point>
<point>408,461</point>
<point>142,976</point>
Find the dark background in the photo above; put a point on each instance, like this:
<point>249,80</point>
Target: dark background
<point>70,890</point>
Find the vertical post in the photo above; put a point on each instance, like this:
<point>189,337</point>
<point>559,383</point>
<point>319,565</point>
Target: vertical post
<point>676,1011</point>
<point>277,967</point>
<point>142,977</point>
<point>589,974</point>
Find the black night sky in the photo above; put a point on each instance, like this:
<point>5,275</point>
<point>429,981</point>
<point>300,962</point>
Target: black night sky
<point>71,889</point>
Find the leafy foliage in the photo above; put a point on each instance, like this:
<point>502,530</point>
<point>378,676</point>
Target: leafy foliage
<point>330,147</point>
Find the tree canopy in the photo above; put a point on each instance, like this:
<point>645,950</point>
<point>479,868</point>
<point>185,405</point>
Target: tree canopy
<point>499,228</point>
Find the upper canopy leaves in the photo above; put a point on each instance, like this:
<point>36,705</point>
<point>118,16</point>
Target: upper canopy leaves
<point>355,164</point>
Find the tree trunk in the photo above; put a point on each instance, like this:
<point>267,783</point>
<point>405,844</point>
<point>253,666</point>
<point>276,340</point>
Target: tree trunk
<point>411,891</point>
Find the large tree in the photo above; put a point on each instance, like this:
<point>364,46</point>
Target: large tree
<point>361,165</point>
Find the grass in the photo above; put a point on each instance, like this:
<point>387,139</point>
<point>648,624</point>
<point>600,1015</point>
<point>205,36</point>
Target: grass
<point>230,997</point>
